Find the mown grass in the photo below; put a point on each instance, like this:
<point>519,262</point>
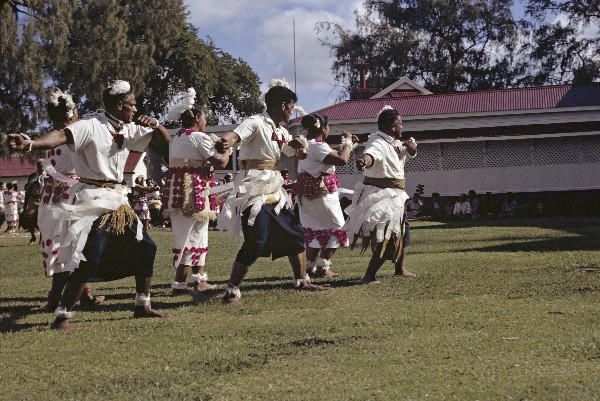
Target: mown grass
<point>500,310</point>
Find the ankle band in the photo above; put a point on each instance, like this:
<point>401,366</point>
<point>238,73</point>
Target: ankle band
<point>175,285</point>
<point>62,313</point>
<point>200,277</point>
<point>142,300</point>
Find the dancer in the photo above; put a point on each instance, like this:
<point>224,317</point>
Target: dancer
<point>318,198</point>
<point>377,210</point>
<point>11,208</point>
<point>259,207</point>
<point>140,201</point>
<point>107,240</point>
<point>62,112</point>
<point>186,195</point>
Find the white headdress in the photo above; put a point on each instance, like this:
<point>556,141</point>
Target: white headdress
<point>118,87</point>
<point>299,110</point>
<point>386,107</point>
<point>54,99</point>
<point>279,82</point>
<point>184,101</point>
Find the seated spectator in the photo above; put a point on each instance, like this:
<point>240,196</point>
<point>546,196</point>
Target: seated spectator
<point>462,207</point>
<point>509,206</point>
<point>414,207</point>
<point>474,202</point>
<point>438,210</point>
<point>486,206</point>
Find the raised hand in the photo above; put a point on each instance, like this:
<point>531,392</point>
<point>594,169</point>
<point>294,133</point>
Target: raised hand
<point>146,121</point>
<point>17,142</point>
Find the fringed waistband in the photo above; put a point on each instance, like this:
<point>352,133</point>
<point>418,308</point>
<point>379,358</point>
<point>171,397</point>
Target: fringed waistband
<point>116,221</point>
<point>399,183</point>
<point>253,164</point>
<point>101,183</point>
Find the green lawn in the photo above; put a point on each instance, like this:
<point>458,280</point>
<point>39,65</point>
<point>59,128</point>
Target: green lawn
<point>505,310</point>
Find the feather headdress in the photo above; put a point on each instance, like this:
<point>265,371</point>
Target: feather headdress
<point>56,95</point>
<point>279,82</point>
<point>183,102</point>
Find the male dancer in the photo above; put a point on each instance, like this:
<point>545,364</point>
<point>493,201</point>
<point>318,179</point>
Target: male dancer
<point>108,240</point>
<point>377,210</point>
<point>259,203</point>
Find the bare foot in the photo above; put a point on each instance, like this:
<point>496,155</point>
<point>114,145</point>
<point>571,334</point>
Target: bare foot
<point>313,287</point>
<point>330,274</point>
<point>146,312</point>
<point>231,299</point>
<point>405,273</point>
<point>61,323</point>
<point>370,280</point>
<point>204,286</point>
<point>91,301</point>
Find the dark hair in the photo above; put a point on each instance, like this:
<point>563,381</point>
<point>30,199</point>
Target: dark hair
<point>278,95</point>
<point>188,117</point>
<point>309,121</point>
<point>58,114</point>
<point>386,119</point>
<point>138,178</point>
<point>110,101</point>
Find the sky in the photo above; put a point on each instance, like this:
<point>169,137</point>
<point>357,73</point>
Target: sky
<point>260,32</point>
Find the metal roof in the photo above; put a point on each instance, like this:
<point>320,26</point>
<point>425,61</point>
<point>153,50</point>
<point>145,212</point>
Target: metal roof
<point>518,99</point>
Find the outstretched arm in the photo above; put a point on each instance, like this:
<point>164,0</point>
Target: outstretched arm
<point>341,157</point>
<point>48,141</point>
<point>227,141</point>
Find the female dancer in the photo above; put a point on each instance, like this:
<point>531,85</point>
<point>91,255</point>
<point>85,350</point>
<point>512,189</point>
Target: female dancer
<point>316,194</point>
<point>11,209</point>
<point>186,195</point>
<point>62,112</point>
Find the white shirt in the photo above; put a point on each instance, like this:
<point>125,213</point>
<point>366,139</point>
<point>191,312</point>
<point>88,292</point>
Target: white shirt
<point>387,162</point>
<point>195,146</point>
<point>313,164</point>
<point>462,208</point>
<point>96,154</point>
<point>61,158</point>
<point>255,139</point>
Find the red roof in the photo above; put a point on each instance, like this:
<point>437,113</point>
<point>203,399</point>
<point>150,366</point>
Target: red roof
<point>543,97</point>
<point>16,167</point>
<point>132,161</point>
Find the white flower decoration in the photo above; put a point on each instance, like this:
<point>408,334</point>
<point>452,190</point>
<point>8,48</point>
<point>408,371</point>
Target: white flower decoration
<point>54,99</point>
<point>386,107</point>
<point>317,124</point>
<point>119,87</point>
<point>279,82</point>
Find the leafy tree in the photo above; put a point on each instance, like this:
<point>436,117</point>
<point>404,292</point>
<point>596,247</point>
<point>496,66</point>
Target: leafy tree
<point>21,70</point>
<point>447,45</point>
<point>80,45</point>
<point>565,40</point>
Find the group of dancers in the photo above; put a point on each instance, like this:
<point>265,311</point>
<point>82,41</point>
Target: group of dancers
<point>90,233</point>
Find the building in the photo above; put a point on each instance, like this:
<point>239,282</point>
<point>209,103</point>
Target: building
<point>521,140</point>
<point>16,169</point>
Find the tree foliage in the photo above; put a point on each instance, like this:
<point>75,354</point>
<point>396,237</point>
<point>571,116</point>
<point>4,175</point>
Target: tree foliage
<point>447,45</point>
<point>450,45</point>
<point>565,42</point>
<point>80,45</point>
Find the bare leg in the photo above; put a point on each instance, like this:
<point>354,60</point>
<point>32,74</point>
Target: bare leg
<point>59,280</point>
<point>400,270</point>
<point>311,257</point>
<point>374,265</point>
<point>298,263</point>
<point>69,299</point>
<point>238,272</point>
<point>142,301</point>
<point>87,298</point>
<point>179,286</point>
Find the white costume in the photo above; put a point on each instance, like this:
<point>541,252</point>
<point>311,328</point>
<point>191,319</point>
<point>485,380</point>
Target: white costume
<point>11,209</point>
<point>259,182</point>
<point>99,158</point>
<point>186,195</point>
<point>50,222</point>
<point>378,203</point>
<point>320,211</point>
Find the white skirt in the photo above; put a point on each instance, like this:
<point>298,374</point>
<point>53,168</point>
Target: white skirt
<point>322,219</point>
<point>376,210</point>
<point>190,240</point>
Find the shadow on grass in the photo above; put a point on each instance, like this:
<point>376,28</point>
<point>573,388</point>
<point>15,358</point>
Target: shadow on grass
<point>587,233</point>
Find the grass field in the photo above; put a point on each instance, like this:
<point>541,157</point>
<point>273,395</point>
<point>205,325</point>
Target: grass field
<point>504,310</point>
